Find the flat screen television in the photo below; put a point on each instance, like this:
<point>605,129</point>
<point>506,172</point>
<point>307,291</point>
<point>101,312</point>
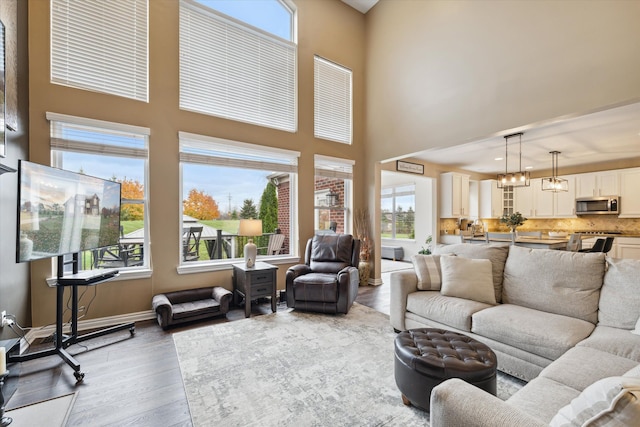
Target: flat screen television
<point>62,212</point>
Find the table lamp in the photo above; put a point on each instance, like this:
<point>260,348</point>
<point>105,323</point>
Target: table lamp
<point>250,228</point>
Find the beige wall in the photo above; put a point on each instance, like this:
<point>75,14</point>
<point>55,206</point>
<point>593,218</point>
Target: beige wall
<point>442,73</point>
<point>328,28</point>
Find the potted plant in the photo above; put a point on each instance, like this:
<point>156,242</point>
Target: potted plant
<point>361,226</point>
<point>513,220</point>
<point>427,250</point>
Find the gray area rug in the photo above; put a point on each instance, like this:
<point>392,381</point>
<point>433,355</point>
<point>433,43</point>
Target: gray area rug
<point>292,368</point>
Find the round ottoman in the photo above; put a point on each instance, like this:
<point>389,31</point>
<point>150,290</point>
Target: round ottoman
<point>426,357</point>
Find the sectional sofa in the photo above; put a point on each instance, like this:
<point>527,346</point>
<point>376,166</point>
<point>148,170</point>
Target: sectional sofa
<point>564,321</point>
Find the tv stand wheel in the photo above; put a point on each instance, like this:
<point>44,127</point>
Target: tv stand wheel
<point>79,376</point>
<point>132,330</point>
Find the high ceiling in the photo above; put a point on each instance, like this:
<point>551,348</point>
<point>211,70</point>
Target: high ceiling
<point>361,5</point>
<point>594,138</point>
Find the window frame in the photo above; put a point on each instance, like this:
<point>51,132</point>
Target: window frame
<point>393,196</point>
<point>336,168</point>
<point>191,140</point>
<point>332,101</point>
<point>59,147</point>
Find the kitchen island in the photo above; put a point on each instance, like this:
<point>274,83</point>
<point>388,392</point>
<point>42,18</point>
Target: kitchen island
<point>543,242</point>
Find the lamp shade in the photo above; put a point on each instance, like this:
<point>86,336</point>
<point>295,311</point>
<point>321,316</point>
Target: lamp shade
<point>250,227</point>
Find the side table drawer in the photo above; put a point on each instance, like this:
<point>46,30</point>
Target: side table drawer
<point>261,290</point>
<point>261,277</point>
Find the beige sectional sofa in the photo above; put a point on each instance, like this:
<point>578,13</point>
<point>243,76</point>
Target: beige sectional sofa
<point>560,320</point>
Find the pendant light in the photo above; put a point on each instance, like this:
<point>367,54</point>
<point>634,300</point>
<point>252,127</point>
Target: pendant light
<point>554,183</point>
<point>513,179</point>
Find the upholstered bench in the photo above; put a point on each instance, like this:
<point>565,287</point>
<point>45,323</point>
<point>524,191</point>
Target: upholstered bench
<point>426,357</point>
<point>392,252</point>
<point>191,304</point>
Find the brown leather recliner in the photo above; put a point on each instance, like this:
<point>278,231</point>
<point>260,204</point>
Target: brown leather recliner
<point>328,280</point>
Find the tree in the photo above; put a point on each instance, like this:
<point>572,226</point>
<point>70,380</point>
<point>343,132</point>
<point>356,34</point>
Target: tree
<point>131,189</point>
<point>269,208</point>
<point>200,205</point>
<point>248,210</point>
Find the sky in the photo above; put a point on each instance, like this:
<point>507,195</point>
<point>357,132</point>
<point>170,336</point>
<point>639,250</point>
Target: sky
<point>219,182</point>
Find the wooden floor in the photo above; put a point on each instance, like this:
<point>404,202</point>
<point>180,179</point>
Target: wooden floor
<point>131,381</point>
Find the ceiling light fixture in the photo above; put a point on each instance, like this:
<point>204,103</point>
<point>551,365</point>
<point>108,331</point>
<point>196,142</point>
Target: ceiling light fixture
<point>513,179</point>
<point>554,183</point>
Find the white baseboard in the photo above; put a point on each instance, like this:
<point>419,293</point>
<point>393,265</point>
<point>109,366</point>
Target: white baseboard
<point>375,282</point>
<point>84,325</point>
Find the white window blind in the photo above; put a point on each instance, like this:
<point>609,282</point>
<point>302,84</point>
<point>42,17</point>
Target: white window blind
<point>100,46</point>
<point>221,152</point>
<point>332,101</point>
<point>80,135</point>
<point>233,70</point>
<point>333,167</point>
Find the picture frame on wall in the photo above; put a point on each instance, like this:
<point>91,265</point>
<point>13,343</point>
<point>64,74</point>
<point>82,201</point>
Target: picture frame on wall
<point>403,166</point>
<point>3,104</point>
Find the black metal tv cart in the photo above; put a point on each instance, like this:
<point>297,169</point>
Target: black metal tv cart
<point>61,340</point>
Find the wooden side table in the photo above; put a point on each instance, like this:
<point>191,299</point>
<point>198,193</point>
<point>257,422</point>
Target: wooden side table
<point>255,282</point>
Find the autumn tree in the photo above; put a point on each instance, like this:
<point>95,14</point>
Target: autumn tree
<point>134,190</point>
<point>269,208</point>
<point>200,205</point>
<point>248,210</point>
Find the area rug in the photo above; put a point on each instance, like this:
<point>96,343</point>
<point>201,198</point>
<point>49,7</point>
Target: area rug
<point>51,413</point>
<point>293,368</point>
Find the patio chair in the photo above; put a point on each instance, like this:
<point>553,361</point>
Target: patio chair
<point>118,256</point>
<point>191,244</point>
<point>276,241</point>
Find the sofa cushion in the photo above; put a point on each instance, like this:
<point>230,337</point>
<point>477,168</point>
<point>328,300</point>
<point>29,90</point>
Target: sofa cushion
<point>582,366</point>
<point>637,329</point>
<point>496,254</point>
<point>467,278</point>
<point>429,272</point>
<point>560,282</point>
<point>633,372</point>
<point>620,294</point>
<point>542,398</point>
<point>321,287</point>
<point>545,334</point>
<point>195,308</point>
<point>615,341</point>
<point>613,401</point>
<point>450,311</point>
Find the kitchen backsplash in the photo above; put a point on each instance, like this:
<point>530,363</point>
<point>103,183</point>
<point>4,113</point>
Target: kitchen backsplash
<point>591,223</point>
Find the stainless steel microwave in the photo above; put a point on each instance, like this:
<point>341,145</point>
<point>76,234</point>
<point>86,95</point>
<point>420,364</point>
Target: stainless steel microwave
<point>598,205</point>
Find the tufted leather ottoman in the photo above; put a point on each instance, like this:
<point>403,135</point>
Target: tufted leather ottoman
<point>426,357</point>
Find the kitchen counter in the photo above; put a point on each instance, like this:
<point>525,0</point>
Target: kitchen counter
<point>544,242</point>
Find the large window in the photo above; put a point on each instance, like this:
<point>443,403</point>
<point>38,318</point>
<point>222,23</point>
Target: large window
<point>100,46</point>
<point>398,207</point>
<point>235,70</point>
<point>332,101</point>
<point>225,181</point>
<point>115,152</point>
<point>333,201</point>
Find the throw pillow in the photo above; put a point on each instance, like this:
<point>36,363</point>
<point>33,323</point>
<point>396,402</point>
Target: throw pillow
<point>609,401</point>
<point>467,278</point>
<point>637,329</point>
<point>428,271</point>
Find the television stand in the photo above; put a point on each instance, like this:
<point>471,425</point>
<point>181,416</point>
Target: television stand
<point>61,340</point>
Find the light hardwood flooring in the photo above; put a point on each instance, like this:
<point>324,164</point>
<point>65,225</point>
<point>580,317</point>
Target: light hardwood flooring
<point>132,381</point>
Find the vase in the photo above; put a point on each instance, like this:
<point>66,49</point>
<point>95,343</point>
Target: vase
<point>364,269</point>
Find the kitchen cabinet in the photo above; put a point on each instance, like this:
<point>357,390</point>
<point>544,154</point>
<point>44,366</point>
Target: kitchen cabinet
<point>523,201</point>
<point>454,195</point>
<point>629,194</point>
<point>543,201</point>
<point>626,247</point>
<point>474,203</point>
<point>490,199</point>
<point>597,184</point>
<point>565,206</point>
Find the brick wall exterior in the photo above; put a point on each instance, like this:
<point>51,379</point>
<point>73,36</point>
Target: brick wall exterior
<point>335,185</point>
<point>284,215</point>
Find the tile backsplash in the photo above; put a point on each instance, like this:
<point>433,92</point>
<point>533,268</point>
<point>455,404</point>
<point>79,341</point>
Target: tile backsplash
<point>590,223</point>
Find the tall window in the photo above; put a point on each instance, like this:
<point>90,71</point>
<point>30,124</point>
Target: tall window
<point>398,207</point>
<point>100,46</point>
<point>332,101</point>
<point>225,181</point>
<point>235,70</point>
<point>333,201</point>
<point>115,152</point>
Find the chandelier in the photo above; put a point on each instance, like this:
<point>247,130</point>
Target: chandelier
<point>513,179</point>
<point>554,183</point>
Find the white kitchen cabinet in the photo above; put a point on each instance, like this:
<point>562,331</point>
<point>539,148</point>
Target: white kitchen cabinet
<point>543,201</point>
<point>597,184</point>
<point>490,199</point>
<point>474,203</point>
<point>629,194</point>
<point>565,206</point>
<point>523,201</point>
<point>626,247</point>
<point>454,195</point>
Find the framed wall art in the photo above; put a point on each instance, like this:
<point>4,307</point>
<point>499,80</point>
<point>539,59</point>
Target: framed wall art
<point>403,166</point>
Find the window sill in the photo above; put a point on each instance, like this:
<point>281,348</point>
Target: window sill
<point>204,267</point>
<point>129,274</point>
